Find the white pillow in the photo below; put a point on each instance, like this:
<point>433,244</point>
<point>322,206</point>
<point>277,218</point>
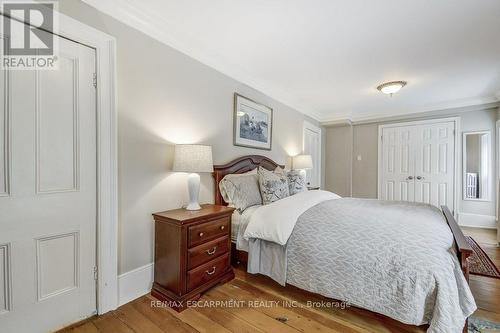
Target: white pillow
<point>241,190</point>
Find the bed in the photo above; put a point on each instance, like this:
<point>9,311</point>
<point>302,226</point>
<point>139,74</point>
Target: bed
<point>404,260</point>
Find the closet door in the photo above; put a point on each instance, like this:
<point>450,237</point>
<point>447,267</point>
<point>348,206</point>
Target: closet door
<point>398,163</point>
<point>435,166</point>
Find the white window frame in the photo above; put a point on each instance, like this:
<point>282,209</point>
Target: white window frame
<point>107,167</point>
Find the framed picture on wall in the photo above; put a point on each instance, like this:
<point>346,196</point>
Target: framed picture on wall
<point>253,124</point>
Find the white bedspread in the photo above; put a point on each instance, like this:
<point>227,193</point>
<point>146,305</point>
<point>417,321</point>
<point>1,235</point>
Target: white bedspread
<point>275,222</point>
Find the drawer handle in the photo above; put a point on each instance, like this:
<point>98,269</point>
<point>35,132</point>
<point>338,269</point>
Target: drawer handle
<point>211,272</point>
<point>201,234</point>
<point>222,227</point>
<point>212,251</point>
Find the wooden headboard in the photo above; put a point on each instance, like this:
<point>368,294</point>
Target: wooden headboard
<point>239,165</point>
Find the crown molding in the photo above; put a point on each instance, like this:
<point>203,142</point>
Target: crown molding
<point>443,109</point>
<point>127,12</point>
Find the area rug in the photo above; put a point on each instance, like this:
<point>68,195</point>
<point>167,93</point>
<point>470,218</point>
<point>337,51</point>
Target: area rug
<point>480,263</point>
<point>477,325</point>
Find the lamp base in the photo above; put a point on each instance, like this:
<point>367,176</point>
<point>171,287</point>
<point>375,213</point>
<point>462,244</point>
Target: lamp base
<point>194,191</point>
<point>195,206</point>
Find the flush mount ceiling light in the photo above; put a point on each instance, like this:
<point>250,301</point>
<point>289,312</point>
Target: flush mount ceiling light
<point>392,87</point>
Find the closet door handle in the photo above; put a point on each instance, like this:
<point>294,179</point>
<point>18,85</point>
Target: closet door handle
<point>409,178</point>
<point>420,177</point>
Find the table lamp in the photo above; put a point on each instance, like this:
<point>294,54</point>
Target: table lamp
<point>193,159</point>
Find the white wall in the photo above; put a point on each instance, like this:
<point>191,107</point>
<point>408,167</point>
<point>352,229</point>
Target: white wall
<point>164,98</point>
<point>345,145</point>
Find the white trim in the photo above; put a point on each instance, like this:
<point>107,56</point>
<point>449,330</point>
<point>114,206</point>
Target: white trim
<point>107,170</point>
<point>317,129</point>
<point>135,283</point>
<point>477,221</point>
<point>437,110</point>
<point>456,120</point>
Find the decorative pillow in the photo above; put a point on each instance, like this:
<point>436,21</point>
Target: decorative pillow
<point>296,182</point>
<point>241,191</point>
<point>273,186</point>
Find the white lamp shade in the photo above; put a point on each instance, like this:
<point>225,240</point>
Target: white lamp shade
<point>301,162</point>
<point>193,158</point>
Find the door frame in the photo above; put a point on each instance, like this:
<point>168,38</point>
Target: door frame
<point>456,121</point>
<point>307,125</point>
<point>107,167</point>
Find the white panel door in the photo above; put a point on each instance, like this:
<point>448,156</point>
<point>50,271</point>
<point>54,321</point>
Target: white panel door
<point>312,146</point>
<point>435,165</point>
<point>418,163</point>
<point>398,163</point>
<point>48,193</point>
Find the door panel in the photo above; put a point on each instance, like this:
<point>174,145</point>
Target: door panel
<point>48,207</point>
<point>398,163</point>
<point>435,164</point>
<point>312,146</point>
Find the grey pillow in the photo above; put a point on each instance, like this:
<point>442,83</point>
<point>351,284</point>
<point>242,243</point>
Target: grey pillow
<point>296,182</point>
<point>273,186</point>
<point>241,191</point>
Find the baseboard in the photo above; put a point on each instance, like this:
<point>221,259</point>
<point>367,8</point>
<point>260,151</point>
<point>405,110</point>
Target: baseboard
<point>477,221</point>
<point>135,283</point>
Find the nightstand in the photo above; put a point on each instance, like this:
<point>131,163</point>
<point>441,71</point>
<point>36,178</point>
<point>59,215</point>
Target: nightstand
<point>192,253</point>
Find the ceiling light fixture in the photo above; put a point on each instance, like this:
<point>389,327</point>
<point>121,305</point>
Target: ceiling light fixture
<point>392,87</point>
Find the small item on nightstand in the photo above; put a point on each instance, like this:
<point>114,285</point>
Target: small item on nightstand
<point>192,253</point>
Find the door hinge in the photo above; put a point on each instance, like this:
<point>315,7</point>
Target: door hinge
<point>94,80</point>
<point>95,273</point>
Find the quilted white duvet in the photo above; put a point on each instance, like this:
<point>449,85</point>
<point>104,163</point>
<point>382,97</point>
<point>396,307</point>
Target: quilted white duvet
<point>392,258</point>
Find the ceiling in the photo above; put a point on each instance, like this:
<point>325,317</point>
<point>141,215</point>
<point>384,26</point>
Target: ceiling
<point>326,57</point>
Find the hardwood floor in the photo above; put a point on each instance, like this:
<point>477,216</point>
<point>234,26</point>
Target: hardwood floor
<point>286,309</point>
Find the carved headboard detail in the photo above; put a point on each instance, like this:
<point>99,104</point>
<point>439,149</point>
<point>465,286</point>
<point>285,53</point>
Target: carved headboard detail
<point>239,165</point>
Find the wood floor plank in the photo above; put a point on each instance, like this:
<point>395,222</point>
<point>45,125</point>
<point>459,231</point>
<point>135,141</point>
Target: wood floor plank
<point>307,312</point>
<point>200,322</point>
<point>227,319</point>
<point>135,320</point>
<point>88,327</point>
<point>488,315</point>
<point>252,316</point>
<point>109,323</point>
<point>486,292</point>
<point>294,318</point>
<point>161,317</point>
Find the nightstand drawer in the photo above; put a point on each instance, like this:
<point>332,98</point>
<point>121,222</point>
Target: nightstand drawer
<point>200,233</point>
<point>208,251</point>
<point>209,271</point>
